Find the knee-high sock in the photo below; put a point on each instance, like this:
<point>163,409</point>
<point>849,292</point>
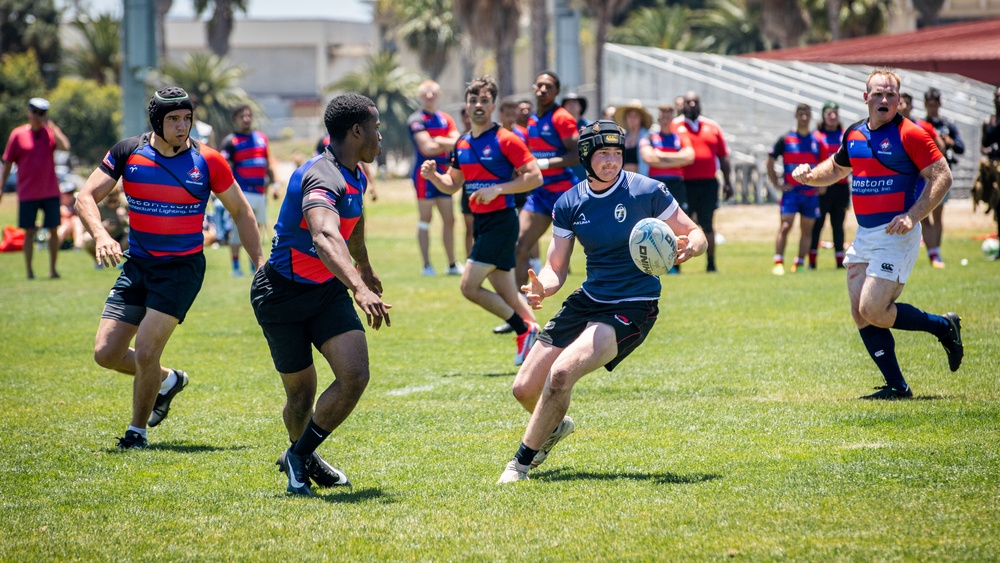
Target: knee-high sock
<point>909,317</point>
<point>882,348</point>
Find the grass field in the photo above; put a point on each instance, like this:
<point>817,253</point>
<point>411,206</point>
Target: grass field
<point>735,431</point>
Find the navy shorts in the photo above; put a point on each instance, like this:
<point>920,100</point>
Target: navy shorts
<point>295,316</point>
<point>703,198</point>
<point>632,321</point>
<point>495,237</point>
<point>168,286</point>
<point>542,201</point>
<point>796,202</point>
<point>27,213</point>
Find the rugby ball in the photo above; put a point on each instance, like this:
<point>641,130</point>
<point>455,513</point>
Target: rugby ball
<point>653,246</point>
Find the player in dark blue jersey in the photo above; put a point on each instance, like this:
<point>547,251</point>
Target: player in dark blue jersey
<point>167,179</point>
<point>302,296</point>
<point>605,320</point>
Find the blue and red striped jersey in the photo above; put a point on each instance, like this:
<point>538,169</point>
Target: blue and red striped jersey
<point>247,153</point>
<point>166,195</point>
<point>886,165</point>
<point>795,149</point>
<point>488,160</point>
<point>546,136</point>
<point>321,182</point>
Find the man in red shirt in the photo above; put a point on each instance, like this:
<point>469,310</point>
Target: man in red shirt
<point>32,147</point>
<point>711,154</point>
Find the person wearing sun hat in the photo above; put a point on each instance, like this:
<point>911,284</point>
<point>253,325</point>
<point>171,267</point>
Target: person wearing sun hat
<point>636,121</point>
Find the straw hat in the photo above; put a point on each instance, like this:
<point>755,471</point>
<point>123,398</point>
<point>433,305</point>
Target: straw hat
<point>647,119</point>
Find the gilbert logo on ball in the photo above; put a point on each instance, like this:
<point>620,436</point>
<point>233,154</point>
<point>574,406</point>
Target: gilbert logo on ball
<point>653,246</point>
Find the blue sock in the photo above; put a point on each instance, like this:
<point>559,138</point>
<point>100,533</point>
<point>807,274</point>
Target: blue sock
<point>311,438</point>
<point>882,348</point>
<point>909,317</point>
<point>525,455</point>
<point>236,263</point>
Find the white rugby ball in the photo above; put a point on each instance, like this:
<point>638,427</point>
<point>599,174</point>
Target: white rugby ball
<point>653,246</point>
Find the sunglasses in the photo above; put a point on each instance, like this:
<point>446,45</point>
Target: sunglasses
<point>39,111</point>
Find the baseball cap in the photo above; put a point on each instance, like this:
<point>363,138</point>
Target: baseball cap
<point>41,104</point>
<point>831,105</point>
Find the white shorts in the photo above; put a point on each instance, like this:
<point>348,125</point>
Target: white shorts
<point>258,202</point>
<point>889,257</point>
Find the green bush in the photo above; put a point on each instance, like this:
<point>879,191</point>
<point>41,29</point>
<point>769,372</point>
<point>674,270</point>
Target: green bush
<point>20,80</point>
<point>89,114</point>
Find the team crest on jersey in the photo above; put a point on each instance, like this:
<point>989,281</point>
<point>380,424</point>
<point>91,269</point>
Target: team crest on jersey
<point>620,213</point>
<point>195,174</point>
<point>546,128</point>
<point>487,151</point>
<point>885,145</point>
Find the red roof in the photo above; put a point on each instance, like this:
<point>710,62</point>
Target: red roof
<point>971,49</point>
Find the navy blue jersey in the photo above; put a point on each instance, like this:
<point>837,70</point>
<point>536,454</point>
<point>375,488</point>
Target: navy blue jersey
<point>602,224</point>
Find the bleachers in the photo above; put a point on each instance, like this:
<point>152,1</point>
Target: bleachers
<point>754,100</point>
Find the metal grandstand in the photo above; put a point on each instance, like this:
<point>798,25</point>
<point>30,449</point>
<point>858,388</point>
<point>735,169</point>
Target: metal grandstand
<point>754,100</point>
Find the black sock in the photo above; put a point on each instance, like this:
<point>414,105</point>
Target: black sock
<point>909,317</point>
<point>518,324</point>
<point>310,440</point>
<point>525,455</point>
<point>882,348</point>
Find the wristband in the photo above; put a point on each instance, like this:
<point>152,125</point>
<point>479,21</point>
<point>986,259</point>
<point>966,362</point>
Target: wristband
<point>543,163</point>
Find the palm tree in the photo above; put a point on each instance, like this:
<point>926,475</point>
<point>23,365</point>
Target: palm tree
<point>783,23</point>
<point>493,25</point>
<point>730,27</point>
<point>429,28</point>
<point>539,35</point>
<point>928,10</point>
<point>99,58</point>
<point>162,7</point>
<point>220,27</point>
<point>665,27</point>
<point>216,84</point>
<point>604,12</point>
<point>394,91</point>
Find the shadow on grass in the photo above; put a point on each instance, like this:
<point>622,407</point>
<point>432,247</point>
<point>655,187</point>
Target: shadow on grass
<point>340,495</point>
<point>466,374</point>
<point>658,478</point>
<point>182,447</point>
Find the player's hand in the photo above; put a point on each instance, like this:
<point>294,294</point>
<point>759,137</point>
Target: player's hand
<point>900,225</point>
<point>107,251</point>
<point>684,250</point>
<point>802,173</point>
<point>375,310</point>
<point>533,291</point>
<point>371,279</point>
<point>485,195</point>
<point>728,192</point>
<point>428,169</point>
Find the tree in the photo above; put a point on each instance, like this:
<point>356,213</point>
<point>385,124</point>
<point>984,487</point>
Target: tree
<point>394,91</point>
<point>539,36</point>
<point>494,25</point>
<point>215,82</point>
<point>666,27</point>
<point>99,58</point>
<point>220,26</point>
<point>89,113</point>
<point>428,27</point>
<point>783,23</point>
<point>20,80</point>
<point>928,10</point>
<point>32,25</point>
<point>730,27</point>
<point>604,12</point>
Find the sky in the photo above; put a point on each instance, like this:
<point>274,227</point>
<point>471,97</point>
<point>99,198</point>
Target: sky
<point>354,10</point>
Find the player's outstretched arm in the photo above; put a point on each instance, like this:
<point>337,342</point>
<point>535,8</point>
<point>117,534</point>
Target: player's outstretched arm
<point>691,240</point>
<point>551,277</point>
<point>824,174</point>
<point>448,183</point>
<point>107,250</point>
<point>246,224</point>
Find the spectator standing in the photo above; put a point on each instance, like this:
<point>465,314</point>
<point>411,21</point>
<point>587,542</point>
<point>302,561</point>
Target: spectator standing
<point>987,186</point>
<point>636,121</point>
<point>32,147</point>
<point>953,145</point>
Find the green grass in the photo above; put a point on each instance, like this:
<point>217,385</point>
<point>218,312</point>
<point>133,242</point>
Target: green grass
<point>734,431</point>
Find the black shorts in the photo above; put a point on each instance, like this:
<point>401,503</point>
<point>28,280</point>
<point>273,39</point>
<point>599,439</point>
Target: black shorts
<point>677,189</point>
<point>703,199</point>
<point>632,321</point>
<point>495,236</point>
<point>466,210</point>
<point>168,286</point>
<point>295,316</point>
<point>27,213</point>
<point>520,199</point>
